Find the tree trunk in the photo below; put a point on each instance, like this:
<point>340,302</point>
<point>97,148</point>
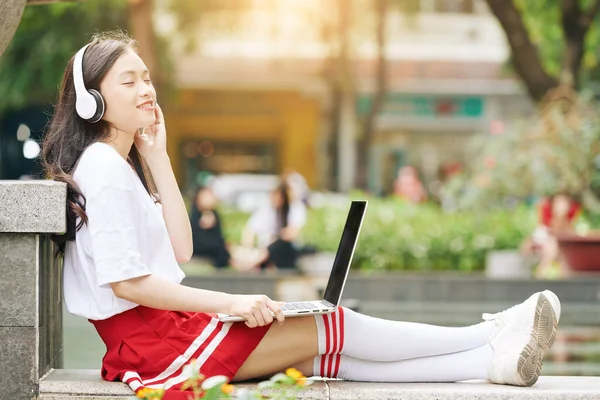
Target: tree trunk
<point>573,57</point>
<point>368,129</point>
<point>346,165</point>
<point>525,57</point>
<point>142,29</point>
<point>11,12</point>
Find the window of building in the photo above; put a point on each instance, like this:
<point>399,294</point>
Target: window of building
<point>201,156</point>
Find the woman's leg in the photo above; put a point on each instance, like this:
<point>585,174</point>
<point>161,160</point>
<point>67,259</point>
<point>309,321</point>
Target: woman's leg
<point>290,344</point>
<point>513,354</point>
<point>521,335</point>
<point>357,336</point>
<point>470,364</point>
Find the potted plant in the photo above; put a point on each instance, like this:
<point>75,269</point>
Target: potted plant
<point>556,151</point>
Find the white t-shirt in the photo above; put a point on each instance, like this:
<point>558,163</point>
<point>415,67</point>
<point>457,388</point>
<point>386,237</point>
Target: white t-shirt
<point>125,237</point>
<point>263,221</point>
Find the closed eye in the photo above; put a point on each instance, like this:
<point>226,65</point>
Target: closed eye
<point>128,83</point>
<point>148,81</point>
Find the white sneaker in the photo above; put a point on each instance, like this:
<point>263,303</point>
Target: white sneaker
<point>555,302</point>
<point>526,331</point>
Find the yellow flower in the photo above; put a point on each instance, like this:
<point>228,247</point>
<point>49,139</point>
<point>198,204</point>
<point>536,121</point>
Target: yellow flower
<point>294,373</point>
<point>148,393</point>
<point>227,388</point>
<point>301,381</point>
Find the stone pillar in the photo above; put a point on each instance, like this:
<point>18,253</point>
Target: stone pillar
<point>11,12</point>
<point>30,284</point>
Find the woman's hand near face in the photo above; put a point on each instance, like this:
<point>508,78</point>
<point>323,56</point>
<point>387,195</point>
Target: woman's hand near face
<point>152,142</point>
<point>256,309</point>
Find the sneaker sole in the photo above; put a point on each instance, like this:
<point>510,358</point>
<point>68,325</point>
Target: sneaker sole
<point>542,338</point>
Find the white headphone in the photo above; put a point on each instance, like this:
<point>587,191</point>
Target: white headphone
<point>89,103</point>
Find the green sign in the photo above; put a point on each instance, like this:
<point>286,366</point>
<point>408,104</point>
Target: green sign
<point>425,106</point>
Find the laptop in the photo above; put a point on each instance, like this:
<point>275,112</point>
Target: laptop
<point>337,277</point>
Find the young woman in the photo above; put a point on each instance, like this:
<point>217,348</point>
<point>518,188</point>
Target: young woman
<point>274,227</point>
<point>128,229</point>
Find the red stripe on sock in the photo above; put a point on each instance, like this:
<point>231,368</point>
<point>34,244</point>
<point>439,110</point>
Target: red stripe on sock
<point>323,358</point>
<point>337,366</point>
<point>342,328</point>
<point>334,346</point>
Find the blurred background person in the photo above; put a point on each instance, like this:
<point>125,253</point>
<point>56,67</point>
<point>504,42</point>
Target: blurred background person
<point>274,228</point>
<point>408,186</point>
<point>208,238</point>
<point>556,215</point>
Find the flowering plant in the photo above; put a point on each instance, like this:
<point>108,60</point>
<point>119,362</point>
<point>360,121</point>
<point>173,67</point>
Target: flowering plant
<point>281,386</point>
<point>555,151</point>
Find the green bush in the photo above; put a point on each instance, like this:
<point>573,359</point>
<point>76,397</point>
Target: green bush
<point>399,236</point>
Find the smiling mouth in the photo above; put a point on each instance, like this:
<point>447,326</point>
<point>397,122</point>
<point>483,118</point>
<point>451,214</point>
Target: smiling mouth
<point>149,105</point>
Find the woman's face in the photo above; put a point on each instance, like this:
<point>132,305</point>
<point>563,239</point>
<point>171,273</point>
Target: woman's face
<point>129,94</point>
<point>206,200</point>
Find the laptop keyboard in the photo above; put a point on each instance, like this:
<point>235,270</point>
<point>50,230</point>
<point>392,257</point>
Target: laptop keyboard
<point>300,306</point>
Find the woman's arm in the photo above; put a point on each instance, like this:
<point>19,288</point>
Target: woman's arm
<point>297,219</point>
<point>156,292</point>
<point>152,144</point>
<point>153,291</point>
<point>174,211</point>
<point>248,237</point>
<point>290,233</point>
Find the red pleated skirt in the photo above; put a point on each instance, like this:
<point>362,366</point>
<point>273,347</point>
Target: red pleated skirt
<point>146,347</point>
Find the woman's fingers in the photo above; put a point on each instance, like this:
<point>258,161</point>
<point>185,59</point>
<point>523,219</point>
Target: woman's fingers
<point>266,315</point>
<point>251,321</point>
<point>275,307</point>
<point>258,317</point>
<point>158,114</point>
<point>260,310</point>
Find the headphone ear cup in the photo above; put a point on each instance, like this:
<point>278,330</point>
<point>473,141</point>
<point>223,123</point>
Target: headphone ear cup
<point>100,107</point>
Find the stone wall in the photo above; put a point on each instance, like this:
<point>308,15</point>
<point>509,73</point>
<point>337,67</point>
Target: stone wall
<point>30,292</point>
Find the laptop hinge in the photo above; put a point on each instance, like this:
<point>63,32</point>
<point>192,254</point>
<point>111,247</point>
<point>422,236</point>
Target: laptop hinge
<point>328,303</point>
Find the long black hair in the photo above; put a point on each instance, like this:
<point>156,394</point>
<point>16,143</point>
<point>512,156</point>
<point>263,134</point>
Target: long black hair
<point>68,135</point>
<point>283,210</point>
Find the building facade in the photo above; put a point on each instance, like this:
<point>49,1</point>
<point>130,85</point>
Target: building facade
<point>257,101</point>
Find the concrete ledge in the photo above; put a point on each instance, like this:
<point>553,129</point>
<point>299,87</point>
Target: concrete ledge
<point>547,388</point>
<point>87,385</point>
<point>32,206</point>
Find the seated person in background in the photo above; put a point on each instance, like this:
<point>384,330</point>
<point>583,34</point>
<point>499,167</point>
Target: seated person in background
<point>556,215</point>
<point>207,233</point>
<point>408,186</point>
<point>274,227</point>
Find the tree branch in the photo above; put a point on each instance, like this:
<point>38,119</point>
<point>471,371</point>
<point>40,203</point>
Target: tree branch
<point>587,18</point>
<point>575,26</point>
<point>525,57</point>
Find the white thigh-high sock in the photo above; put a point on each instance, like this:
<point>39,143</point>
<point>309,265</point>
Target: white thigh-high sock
<point>470,364</point>
<point>359,336</point>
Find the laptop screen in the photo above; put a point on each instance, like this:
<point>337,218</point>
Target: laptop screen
<point>345,251</point>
